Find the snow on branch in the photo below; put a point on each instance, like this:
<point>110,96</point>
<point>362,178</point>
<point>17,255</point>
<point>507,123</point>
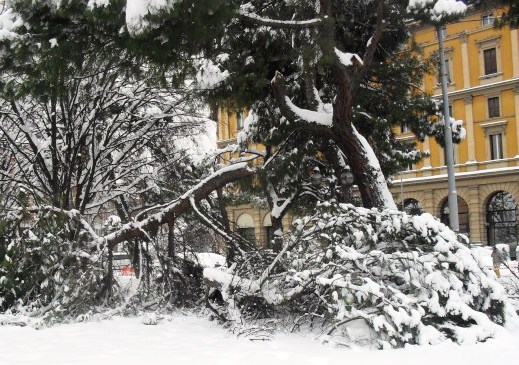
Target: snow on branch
<point>310,116</point>
<point>437,10</point>
<point>304,118</point>
<point>276,23</point>
<point>8,23</point>
<point>348,59</point>
<point>73,215</point>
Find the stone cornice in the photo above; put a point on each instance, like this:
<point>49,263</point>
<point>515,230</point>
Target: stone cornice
<point>514,83</point>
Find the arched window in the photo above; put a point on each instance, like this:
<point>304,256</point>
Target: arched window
<point>246,229</point>
<point>412,207</point>
<point>501,218</point>
<point>463,214</point>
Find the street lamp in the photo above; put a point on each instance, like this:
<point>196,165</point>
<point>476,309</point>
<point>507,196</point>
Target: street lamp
<point>347,177</point>
<point>316,178</point>
<point>449,151</point>
<point>347,181</point>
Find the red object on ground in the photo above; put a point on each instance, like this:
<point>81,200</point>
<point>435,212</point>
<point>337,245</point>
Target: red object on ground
<point>127,270</point>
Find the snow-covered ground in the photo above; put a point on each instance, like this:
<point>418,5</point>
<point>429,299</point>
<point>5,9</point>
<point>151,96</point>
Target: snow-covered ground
<point>190,339</point>
<point>193,340</point>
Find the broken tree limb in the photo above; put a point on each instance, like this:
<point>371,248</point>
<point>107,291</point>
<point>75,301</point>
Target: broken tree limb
<point>179,206</point>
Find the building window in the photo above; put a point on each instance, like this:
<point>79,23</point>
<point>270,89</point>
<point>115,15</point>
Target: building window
<point>449,62</point>
<point>487,19</point>
<point>463,214</point>
<point>502,219</point>
<point>490,61</point>
<point>245,225</point>
<point>269,236</point>
<point>239,120</point>
<point>412,207</point>
<point>248,234</point>
<point>447,68</point>
<point>493,107</point>
<point>495,137</point>
<point>496,146</point>
<point>404,127</point>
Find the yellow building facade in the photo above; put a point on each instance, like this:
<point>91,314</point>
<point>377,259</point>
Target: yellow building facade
<point>483,65</point>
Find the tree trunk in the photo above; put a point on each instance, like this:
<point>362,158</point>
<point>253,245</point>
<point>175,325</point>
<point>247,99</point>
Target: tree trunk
<point>277,227</point>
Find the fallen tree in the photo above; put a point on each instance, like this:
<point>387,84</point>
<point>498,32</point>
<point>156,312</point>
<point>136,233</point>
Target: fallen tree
<point>404,279</point>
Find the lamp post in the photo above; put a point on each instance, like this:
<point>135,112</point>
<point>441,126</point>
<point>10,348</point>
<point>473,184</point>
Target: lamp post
<point>316,178</point>
<point>347,181</point>
<point>453,199</point>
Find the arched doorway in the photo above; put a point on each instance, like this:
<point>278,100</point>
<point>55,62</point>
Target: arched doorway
<point>463,214</point>
<point>412,207</point>
<point>501,218</point>
<point>246,228</point>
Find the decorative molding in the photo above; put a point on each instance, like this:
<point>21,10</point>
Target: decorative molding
<point>463,37</point>
<point>481,88</point>
<point>468,99</point>
<point>491,128</point>
<point>489,42</point>
<point>494,124</point>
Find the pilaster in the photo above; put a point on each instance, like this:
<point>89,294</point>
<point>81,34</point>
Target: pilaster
<point>475,215</point>
<point>515,51</point>
<point>465,60</point>
<point>516,102</point>
<point>469,127</point>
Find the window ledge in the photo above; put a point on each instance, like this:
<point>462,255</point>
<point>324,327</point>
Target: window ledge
<point>490,76</point>
<point>497,160</point>
<point>497,123</point>
<point>406,136</point>
<point>449,84</point>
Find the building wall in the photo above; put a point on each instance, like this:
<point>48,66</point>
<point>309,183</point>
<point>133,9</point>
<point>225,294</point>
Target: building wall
<point>478,176</point>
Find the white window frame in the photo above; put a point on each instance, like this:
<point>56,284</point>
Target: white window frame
<point>499,106</point>
<point>449,58</point>
<point>483,45</point>
<point>240,118</point>
<point>487,20</point>
<point>496,153</point>
<point>491,129</point>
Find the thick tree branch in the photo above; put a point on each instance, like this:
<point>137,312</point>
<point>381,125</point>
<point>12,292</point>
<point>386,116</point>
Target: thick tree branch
<point>179,206</point>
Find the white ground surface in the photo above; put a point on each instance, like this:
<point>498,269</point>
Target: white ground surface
<point>187,339</point>
<point>192,340</point>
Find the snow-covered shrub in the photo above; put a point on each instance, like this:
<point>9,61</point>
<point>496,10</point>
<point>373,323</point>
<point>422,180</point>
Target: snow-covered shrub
<point>409,278</point>
<point>458,131</point>
<point>49,269</point>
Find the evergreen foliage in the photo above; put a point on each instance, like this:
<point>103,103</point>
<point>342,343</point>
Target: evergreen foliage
<point>48,268</point>
<point>408,278</point>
